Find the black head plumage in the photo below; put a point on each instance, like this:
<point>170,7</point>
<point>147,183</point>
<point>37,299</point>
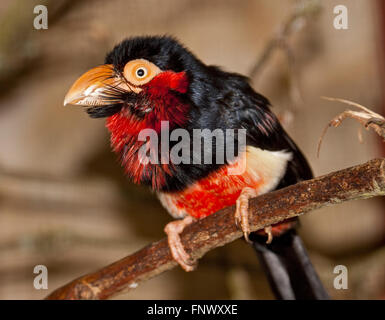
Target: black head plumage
<point>164,51</point>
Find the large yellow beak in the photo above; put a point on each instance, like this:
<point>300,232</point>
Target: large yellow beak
<point>96,87</point>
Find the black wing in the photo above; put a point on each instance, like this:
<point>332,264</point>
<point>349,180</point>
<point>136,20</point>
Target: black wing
<point>252,111</point>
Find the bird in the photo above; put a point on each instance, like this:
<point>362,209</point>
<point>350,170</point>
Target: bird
<point>153,83</point>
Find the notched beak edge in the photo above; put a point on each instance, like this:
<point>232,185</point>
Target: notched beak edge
<point>91,88</point>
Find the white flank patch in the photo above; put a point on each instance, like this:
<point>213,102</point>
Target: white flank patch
<point>268,165</point>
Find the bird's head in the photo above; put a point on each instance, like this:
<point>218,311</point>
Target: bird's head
<point>145,80</point>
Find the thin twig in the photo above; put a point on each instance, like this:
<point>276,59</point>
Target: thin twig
<point>304,11</point>
<point>359,182</point>
<point>295,22</point>
<point>368,118</point>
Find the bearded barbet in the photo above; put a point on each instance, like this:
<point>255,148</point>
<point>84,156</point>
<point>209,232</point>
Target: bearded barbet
<point>153,84</point>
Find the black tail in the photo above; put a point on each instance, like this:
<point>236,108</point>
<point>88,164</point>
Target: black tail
<point>288,268</point>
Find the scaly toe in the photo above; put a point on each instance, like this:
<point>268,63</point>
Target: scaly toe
<point>179,254</point>
<point>242,212</point>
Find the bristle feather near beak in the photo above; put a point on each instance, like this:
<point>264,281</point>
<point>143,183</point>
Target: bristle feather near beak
<point>105,111</point>
<point>97,87</point>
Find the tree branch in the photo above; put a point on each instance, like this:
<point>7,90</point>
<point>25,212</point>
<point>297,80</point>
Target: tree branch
<point>368,118</point>
<point>359,182</point>
<point>303,12</point>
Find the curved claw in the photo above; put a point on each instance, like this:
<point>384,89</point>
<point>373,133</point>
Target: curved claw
<point>173,231</point>
<point>269,232</point>
<point>242,215</point>
<point>242,211</point>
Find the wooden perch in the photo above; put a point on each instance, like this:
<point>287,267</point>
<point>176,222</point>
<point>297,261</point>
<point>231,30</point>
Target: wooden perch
<point>359,182</point>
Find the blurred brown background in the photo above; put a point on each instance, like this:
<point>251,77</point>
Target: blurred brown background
<point>64,202</point>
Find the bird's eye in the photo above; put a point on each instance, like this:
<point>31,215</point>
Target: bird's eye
<point>141,72</point>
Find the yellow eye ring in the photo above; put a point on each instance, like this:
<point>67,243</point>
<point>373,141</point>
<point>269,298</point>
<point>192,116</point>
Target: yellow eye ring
<point>140,71</point>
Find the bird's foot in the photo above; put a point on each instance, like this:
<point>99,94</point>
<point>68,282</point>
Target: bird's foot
<point>242,211</point>
<point>173,230</point>
<point>242,214</point>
